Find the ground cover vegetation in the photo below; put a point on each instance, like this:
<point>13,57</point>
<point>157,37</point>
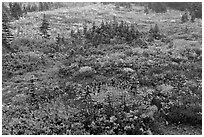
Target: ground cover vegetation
<point>106,77</point>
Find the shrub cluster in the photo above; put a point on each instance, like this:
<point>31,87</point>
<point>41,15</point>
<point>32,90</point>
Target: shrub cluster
<point>72,109</point>
<point>101,94</point>
<point>81,106</point>
<point>20,63</point>
<point>113,32</point>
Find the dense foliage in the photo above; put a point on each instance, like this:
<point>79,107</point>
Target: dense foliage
<point>115,32</point>
<point>192,7</point>
<point>102,80</point>
<point>158,7</point>
<point>44,28</point>
<point>6,34</point>
<point>15,10</point>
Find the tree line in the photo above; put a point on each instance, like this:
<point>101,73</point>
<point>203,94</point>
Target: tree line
<point>161,7</point>
<point>15,10</point>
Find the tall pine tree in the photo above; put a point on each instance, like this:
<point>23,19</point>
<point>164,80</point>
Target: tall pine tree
<point>41,6</point>
<point>7,37</point>
<point>44,28</point>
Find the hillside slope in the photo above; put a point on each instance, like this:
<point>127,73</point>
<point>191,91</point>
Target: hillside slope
<point>79,87</point>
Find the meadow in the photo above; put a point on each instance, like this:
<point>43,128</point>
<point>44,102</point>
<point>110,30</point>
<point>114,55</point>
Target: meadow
<point>103,72</point>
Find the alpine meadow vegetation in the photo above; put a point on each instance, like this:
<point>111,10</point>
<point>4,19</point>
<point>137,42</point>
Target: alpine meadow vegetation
<point>101,69</point>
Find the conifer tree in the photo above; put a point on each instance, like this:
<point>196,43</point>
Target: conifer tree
<point>192,16</point>
<point>24,10</point>
<point>15,10</point>
<point>102,26</point>
<point>184,17</point>
<point>85,29</point>
<point>156,29</point>
<point>63,41</point>
<point>46,6</point>
<point>5,8</point>
<point>33,8</point>
<point>44,28</point>
<point>93,27</point>
<point>10,5</point>
<point>58,39</point>
<point>156,33</point>
<point>41,7</point>
<point>7,37</point>
<point>28,8</point>
<point>151,30</point>
<point>72,34</point>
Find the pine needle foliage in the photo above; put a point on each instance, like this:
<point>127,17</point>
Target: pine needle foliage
<point>44,28</point>
<point>106,32</point>
<point>15,10</point>
<point>7,37</point>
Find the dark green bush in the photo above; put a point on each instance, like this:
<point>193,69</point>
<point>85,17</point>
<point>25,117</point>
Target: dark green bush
<point>158,7</point>
<point>108,33</point>
<point>19,63</point>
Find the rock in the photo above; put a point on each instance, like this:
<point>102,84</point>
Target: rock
<point>19,97</point>
<point>173,21</point>
<point>177,59</point>
<point>150,112</point>
<point>74,65</point>
<point>128,70</point>
<point>113,41</point>
<point>86,69</point>
<point>165,89</point>
<point>150,62</point>
<point>191,83</point>
<point>163,20</point>
<point>153,108</point>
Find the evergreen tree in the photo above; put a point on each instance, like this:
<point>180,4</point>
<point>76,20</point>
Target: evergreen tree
<point>28,8</point>
<point>72,34</point>
<point>41,7</point>
<point>196,8</point>
<point>58,39</point>
<point>102,25</point>
<point>85,29</point>
<point>151,30</point>
<point>25,10</point>
<point>192,16</point>
<point>93,27</point>
<point>10,5</point>
<point>59,42</point>
<point>16,10</point>
<point>46,5</point>
<point>156,33</point>
<point>184,17</point>
<point>146,10</point>
<point>33,8</point>
<point>62,39</point>
<point>44,28</point>
<point>156,29</point>
<point>5,8</point>
<point>7,37</point>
